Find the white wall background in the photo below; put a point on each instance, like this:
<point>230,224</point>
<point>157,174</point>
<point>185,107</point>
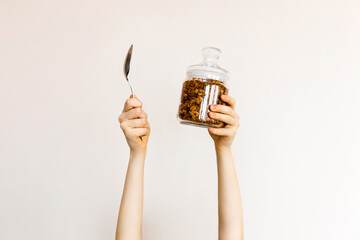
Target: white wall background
<point>294,72</point>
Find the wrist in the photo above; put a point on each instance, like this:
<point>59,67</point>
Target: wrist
<point>138,153</point>
<point>223,154</point>
<point>222,148</point>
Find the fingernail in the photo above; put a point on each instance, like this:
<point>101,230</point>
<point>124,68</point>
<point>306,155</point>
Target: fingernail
<point>213,106</point>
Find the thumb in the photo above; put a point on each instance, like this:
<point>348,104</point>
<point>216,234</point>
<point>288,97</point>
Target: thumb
<point>134,96</point>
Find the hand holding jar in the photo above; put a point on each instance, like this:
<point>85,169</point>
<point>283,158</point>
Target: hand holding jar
<point>204,101</point>
<point>204,84</point>
<point>223,137</point>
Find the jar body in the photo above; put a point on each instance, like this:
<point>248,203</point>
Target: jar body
<point>196,97</point>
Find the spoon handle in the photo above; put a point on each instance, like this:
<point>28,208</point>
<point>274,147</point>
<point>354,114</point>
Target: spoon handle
<point>132,92</point>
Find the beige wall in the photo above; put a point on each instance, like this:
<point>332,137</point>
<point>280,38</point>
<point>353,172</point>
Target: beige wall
<point>294,72</point>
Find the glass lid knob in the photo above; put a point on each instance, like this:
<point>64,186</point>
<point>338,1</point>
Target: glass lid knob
<point>211,56</point>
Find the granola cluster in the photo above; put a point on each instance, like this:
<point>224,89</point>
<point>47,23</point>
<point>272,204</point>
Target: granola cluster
<point>197,96</point>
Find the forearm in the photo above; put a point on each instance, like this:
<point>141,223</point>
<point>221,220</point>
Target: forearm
<point>229,200</point>
<point>129,224</point>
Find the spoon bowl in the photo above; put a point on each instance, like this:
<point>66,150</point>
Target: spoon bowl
<point>127,67</point>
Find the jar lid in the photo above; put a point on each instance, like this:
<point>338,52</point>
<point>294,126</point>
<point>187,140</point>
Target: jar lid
<point>209,67</point>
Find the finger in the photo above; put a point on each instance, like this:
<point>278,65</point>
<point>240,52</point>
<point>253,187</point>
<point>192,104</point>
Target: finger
<point>224,110</point>
<point>223,118</point>
<point>132,114</point>
<point>222,131</point>
<point>132,103</point>
<point>229,100</point>
<point>136,123</point>
<point>138,132</point>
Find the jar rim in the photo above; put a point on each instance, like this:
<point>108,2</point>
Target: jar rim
<point>207,74</point>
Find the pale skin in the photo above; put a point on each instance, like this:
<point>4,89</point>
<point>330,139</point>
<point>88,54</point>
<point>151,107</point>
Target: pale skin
<point>133,122</point>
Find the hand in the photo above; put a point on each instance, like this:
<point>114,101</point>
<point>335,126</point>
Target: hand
<point>223,137</point>
<point>133,122</point>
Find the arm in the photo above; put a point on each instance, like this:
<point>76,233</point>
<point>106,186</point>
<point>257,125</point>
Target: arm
<point>133,122</point>
<point>230,209</point>
<point>229,200</point>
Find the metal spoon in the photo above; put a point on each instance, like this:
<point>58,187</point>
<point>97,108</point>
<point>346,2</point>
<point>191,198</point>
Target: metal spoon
<point>127,67</point>
<point>127,70</point>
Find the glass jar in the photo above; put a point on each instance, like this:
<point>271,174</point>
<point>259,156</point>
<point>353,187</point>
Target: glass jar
<point>203,86</point>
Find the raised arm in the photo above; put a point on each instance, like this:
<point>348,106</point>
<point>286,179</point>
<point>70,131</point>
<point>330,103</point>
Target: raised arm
<point>229,200</point>
<point>133,122</point>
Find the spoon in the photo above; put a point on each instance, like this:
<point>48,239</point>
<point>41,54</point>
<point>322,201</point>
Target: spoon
<point>127,68</point>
